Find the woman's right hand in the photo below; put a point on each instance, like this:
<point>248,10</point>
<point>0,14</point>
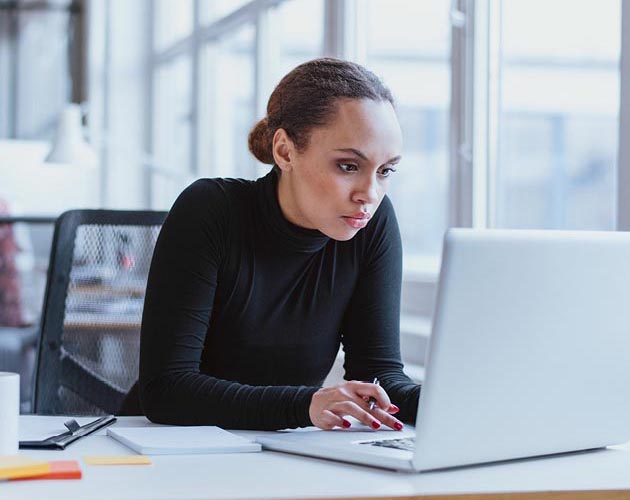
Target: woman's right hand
<point>330,405</point>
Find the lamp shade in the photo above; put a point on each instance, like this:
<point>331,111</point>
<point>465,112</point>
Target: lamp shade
<point>69,146</point>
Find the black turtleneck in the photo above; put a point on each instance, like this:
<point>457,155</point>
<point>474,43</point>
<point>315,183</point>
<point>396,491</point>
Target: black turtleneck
<point>245,312</point>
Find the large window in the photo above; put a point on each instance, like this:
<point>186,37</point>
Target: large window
<point>214,64</point>
<point>558,121</point>
<point>554,86</point>
<point>509,108</point>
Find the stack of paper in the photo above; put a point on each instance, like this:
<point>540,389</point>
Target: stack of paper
<point>173,440</point>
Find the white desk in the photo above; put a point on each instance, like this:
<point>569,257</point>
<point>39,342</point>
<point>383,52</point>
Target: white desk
<point>276,475</point>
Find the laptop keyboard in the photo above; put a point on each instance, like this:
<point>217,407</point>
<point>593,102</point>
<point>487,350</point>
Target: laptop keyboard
<point>407,444</point>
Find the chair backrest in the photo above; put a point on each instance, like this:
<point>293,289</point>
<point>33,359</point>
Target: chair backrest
<point>90,332</point>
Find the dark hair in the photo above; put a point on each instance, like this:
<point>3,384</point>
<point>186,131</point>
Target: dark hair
<point>307,97</point>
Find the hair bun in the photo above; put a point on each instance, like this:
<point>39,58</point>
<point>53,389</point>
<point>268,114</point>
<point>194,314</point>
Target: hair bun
<point>260,142</point>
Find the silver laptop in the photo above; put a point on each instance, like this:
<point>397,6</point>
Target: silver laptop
<point>529,355</point>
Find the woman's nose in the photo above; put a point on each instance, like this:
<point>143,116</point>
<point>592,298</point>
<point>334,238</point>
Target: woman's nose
<point>367,191</point>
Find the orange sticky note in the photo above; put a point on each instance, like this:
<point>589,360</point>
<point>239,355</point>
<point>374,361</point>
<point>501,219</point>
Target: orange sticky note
<point>59,469</point>
<point>64,469</point>
<point>118,460</point>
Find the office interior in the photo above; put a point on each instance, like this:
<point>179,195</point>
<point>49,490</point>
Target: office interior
<point>515,114</point>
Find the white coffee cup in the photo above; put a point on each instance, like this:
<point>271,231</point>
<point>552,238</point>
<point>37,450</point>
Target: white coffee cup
<point>9,413</point>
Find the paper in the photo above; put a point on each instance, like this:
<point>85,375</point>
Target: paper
<point>117,460</point>
<point>16,466</point>
<point>174,440</point>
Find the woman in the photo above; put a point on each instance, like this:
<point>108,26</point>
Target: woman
<point>254,284</point>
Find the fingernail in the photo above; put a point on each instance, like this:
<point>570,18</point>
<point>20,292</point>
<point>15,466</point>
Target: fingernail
<point>375,424</point>
<point>398,426</point>
<point>346,424</point>
<point>393,409</point>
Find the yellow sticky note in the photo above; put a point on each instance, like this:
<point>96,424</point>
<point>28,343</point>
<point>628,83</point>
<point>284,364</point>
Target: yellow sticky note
<point>15,466</point>
<point>118,460</point>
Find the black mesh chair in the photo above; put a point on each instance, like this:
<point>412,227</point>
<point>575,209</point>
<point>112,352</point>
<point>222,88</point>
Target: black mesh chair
<point>90,332</point>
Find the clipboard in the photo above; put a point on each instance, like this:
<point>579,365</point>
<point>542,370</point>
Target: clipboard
<point>74,433</point>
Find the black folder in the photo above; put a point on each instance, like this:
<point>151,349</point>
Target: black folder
<point>74,432</point>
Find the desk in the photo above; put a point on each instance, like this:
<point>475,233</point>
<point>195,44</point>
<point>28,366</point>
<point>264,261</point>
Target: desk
<point>276,475</point>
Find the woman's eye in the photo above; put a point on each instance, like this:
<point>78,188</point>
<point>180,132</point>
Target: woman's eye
<point>386,172</point>
<point>347,167</point>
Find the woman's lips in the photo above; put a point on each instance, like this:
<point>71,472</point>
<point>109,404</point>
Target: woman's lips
<point>357,221</point>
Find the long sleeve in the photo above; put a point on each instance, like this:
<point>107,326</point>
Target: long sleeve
<point>182,284</point>
<point>245,312</point>
<point>371,327</point>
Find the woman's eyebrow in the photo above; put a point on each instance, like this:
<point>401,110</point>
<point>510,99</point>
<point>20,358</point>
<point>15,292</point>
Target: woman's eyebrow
<point>358,153</point>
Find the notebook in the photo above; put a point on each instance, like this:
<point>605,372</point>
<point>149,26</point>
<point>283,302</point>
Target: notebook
<point>528,356</point>
<point>176,440</point>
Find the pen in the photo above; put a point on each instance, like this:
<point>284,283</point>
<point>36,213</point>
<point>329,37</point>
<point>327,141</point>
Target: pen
<point>372,400</point>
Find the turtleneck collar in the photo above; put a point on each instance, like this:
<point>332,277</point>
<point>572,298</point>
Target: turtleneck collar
<point>288,234</point>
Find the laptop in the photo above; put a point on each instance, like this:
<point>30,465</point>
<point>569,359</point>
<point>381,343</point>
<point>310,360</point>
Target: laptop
<point>529,355</point>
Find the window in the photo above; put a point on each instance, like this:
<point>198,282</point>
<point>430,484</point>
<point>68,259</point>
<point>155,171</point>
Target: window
<point>173,22</point>
<point>41,68</point>
<point>297,24</point>
<point>558,120</point>
<point>510,117</point>
<point>213,66</point>
<point>171,125</point>
<point>227,105</point>
<point>212,10</point>
<point>408,45</point>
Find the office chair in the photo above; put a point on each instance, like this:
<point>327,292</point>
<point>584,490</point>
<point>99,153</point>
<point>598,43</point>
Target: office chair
<point>90,331</point>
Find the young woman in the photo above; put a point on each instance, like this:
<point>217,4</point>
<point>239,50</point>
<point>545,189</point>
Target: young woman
<point>255,284</point>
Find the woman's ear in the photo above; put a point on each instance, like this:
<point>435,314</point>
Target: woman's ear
<point>283,149</point>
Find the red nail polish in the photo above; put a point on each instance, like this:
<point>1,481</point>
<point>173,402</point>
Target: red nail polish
<point>346,424</point>
<point>398,426</point>
<point>393,409</point>
<point>375,424</point>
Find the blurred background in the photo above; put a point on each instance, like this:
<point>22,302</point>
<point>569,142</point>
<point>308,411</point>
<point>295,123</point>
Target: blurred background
<point>510,111</point>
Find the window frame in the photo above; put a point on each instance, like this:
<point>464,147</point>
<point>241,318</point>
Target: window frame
<point>623,161</point>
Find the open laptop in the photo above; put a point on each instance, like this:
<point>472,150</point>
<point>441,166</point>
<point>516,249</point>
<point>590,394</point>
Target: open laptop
<point>529,355</point>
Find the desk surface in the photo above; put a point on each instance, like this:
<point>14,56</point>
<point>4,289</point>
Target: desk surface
<point>276,475</point>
